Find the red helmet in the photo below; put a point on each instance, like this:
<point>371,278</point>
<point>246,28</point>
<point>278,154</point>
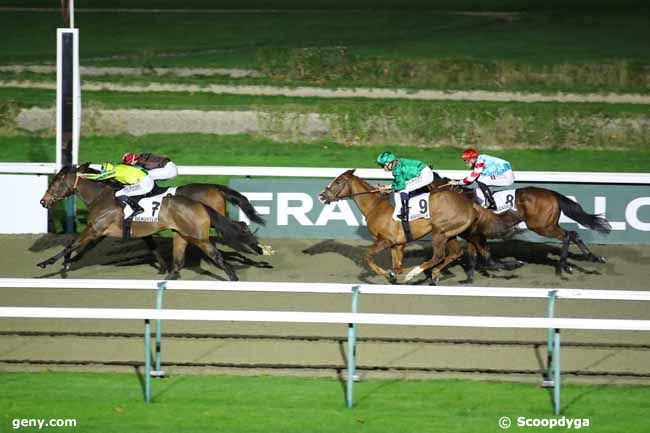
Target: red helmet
<point>469,154</point>
<point>129,158</point>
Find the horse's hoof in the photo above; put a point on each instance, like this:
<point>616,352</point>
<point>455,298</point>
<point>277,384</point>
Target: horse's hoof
<point>568,269</point>
<point>233,277</point>
<point>267,250</point>
<point>172,276</point>
<point>435,280</point>
<point>391,277</point>
<point>601,259</point>
<point>66,266</point>
<point>41,265</point>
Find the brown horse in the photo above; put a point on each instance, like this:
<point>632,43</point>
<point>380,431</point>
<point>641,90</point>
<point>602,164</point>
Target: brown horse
<point>190,221</point>
<point>451,214</point>
<point>540,209</point>
<point>216,197</point>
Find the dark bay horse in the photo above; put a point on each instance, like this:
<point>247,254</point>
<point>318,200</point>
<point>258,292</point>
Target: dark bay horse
<point>540,209</point>
<point>190,221</point>
<point>451,214</point>
<point>216,197</point>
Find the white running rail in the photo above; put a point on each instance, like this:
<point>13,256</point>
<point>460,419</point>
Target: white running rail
<point>365,173</point>
<point>375,289</point>
<point>314,317</point>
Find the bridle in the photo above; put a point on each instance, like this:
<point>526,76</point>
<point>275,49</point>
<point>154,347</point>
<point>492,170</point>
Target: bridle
<point>68,191</point>
<point>344,197</point>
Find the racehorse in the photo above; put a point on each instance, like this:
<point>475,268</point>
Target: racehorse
<point>190,221</point>
<point>215,197</point>
<point>451,214</point>
<point>540,209</point>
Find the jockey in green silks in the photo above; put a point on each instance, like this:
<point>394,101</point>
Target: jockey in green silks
<point>409,175</point>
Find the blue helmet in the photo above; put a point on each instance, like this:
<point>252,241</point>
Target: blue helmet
<point>385,157</point>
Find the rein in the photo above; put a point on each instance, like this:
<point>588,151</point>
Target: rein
<point>358,193</point>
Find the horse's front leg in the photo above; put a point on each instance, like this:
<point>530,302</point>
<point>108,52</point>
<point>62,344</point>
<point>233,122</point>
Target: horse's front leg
<point>439,244</point>
<point>70,260</point>
<point>66,250</point>
<point>87,236</point>
<point>375,249</point>
<point>397,256</point>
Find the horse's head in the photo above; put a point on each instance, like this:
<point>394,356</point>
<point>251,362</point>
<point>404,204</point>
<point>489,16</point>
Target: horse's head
<point>337,189</point>
<point>63,185</point>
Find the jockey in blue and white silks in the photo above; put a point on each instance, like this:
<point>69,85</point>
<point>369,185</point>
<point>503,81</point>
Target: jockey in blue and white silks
<point>486,171</point>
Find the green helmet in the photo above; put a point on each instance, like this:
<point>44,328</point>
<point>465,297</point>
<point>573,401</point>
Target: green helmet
<point>385,157</point>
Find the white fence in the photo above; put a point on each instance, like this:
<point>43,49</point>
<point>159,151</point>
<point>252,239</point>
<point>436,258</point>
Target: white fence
<point>366,173</point>
<point>351,319</point>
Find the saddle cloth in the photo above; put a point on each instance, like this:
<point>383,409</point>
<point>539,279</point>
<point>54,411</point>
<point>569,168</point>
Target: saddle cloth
<point>151,206</point>
<point>418,207</point>
<point>504,199</point>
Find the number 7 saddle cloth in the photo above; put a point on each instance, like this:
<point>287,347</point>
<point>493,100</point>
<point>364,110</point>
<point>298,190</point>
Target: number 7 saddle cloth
<point>151,206</point>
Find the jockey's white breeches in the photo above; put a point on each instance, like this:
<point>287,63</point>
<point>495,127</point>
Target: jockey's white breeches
<point>423,179</point>
<point>506,178</point>
<point>169,171</point>
<point>141,188</point>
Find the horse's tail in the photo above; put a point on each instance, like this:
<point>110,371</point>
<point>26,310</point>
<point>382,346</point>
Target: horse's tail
<point>235,234</point>
<point>574,211</point>
<point>240,200</point>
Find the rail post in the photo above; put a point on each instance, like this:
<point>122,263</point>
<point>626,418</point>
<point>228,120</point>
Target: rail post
<point>352,341</point>
<point>548,380</point>
<point>147,360</point>
<point>159,301</point>
<point>556,371</point>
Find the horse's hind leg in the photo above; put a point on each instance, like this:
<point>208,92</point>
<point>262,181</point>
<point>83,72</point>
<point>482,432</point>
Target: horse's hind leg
<point>588,254</point>
<point>213,254</point>
<point>151,244</point>
<point>560,234</point>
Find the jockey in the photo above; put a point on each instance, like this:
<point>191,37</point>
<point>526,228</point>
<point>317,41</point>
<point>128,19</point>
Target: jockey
<point>159,167</point>
<point>136,180</point>
<point>486,170</point>
<point>410,174</point>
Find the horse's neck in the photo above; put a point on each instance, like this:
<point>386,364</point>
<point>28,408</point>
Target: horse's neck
<point>89,190</point>
<point>365,202</point>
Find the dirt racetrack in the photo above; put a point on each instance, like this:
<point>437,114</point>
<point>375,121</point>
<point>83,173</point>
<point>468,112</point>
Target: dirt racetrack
<point>254,348</point>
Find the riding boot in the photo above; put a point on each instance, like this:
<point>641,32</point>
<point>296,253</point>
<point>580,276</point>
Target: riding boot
<point>404,213</point>
<point>136,210</point>
<point>404,216</point>
<point>489,198</point>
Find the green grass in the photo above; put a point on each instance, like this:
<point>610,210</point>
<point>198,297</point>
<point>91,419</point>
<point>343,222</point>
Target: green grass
<point>506,125</point>
<point>243,150</point>
<point>113,403</point>
<point>547,50</point>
